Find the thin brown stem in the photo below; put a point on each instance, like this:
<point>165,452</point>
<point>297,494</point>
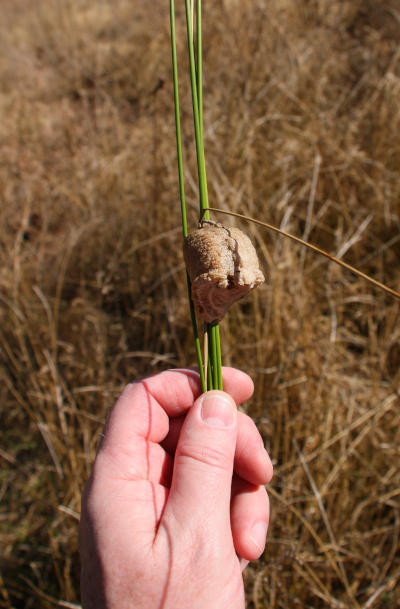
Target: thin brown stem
<point>374,282</point>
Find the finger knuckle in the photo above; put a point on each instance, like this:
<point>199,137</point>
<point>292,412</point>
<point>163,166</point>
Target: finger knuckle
<point>211,456</point>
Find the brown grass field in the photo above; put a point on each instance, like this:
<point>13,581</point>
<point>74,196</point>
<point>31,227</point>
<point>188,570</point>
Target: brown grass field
<point>302,123</point>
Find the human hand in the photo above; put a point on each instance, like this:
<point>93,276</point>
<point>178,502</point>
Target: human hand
<point>175,507</point>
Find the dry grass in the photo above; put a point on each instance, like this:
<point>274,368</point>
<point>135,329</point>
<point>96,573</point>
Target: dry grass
<point>302,121</point>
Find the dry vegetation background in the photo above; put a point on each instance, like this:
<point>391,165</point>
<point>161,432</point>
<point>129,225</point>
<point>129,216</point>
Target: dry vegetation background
<point>302,125</point>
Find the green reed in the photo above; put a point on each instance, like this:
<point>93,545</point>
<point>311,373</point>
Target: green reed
<point>213,378</point>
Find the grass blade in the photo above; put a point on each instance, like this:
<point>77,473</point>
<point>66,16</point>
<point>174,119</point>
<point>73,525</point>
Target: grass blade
<point>178,119</point>
<point>199,68</point>
<point>196,118</point>
<point>196,79</point>
<point>182,188</point>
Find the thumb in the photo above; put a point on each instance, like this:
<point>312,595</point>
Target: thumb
<point>203,465</point>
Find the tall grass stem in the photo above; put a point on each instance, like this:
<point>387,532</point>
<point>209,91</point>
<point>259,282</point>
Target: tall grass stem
<point>196,118</point>
<point>178,120</point>
<point>200,68</point>
<point>182,188</point>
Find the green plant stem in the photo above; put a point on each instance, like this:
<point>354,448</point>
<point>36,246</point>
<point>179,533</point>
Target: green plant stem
<point>197,129</point>
<point>210,384</point>
<point>199,82</point>
<point>178,121</point>
<point>215,356</point>
<point>214,351</point>
<point>197,342</point>
<point>200,67</point>
<point>211,357</point>
<point>219,358</point>
<point>196,80</point>
<point>182,188</point>
<point>214,374</point>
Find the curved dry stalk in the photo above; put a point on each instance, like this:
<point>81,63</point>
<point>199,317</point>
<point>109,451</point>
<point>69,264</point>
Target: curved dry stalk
<point>345,265</point>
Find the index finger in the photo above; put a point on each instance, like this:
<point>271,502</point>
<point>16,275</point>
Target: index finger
<point>176,390</point>
<point>145,406</point>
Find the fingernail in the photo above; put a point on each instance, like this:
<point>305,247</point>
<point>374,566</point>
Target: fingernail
<point>258,535</point>
<point>217,411</point>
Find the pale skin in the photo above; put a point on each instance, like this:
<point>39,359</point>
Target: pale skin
<point>176,504</point>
